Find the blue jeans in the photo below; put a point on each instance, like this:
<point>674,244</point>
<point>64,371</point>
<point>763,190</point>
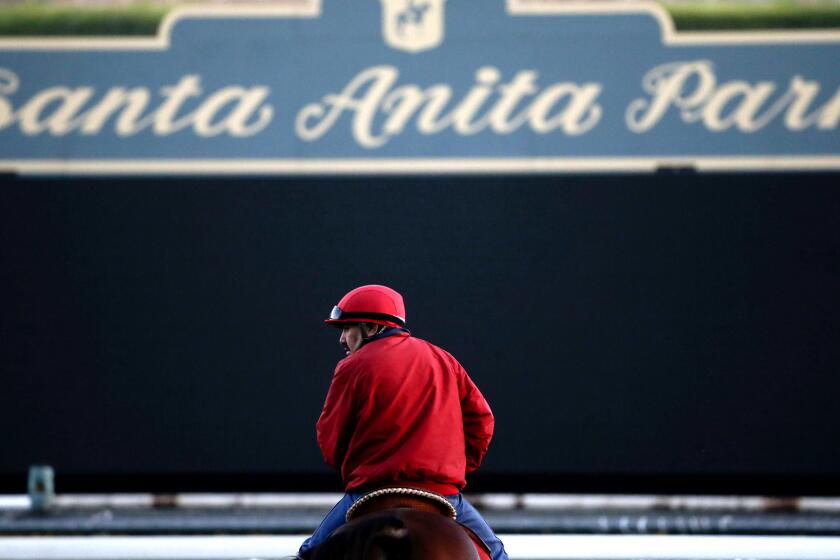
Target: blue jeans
<point>467,515</point>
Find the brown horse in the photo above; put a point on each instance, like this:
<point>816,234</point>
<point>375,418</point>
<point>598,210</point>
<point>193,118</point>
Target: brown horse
<point>393,525</point>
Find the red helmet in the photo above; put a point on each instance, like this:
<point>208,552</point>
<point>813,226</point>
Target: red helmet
<point>369,304</point>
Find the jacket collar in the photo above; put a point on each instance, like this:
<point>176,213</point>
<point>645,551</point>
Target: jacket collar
<point>392,331</point>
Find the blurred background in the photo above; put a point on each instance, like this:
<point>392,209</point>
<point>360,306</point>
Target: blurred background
<point>660,349</point>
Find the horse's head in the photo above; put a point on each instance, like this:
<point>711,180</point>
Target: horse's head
<point>397,534</point>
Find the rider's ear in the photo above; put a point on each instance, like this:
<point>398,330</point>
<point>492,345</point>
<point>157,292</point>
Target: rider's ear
<point>369,329</point>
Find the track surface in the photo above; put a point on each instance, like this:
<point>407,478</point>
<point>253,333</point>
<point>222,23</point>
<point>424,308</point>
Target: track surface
<point>520,547</point>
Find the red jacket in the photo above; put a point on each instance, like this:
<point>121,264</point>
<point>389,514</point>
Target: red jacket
<point>401,410</point>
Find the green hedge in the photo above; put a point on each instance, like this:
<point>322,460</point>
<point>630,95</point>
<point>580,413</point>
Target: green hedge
<point>39,20</point>
<point>52,20</point>
<point>761,16</point>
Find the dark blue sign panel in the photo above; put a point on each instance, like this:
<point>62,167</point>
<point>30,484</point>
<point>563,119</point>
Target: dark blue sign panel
<point>420,86</point>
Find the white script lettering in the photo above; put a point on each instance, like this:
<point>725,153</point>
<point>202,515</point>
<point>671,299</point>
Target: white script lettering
<point>59,110</point>
<point>373,97</point>
<point>692,89</point>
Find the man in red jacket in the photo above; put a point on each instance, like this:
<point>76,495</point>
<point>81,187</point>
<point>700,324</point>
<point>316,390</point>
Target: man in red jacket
<point>399,412</point>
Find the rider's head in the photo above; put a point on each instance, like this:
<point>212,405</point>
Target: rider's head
<point>366,311</point>
<point>354,334</point>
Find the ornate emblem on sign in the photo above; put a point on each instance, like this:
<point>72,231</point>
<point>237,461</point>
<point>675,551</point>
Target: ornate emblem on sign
<point>412,25</point>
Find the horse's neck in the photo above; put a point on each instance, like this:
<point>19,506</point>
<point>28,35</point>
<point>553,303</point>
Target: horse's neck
<point>392,501</point>
<point>401,497</point>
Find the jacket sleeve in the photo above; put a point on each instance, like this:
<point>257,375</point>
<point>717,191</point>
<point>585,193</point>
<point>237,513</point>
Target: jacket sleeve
<point>478,422</point>
<point>336,423</point>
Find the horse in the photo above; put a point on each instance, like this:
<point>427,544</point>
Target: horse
<point>401,524</point>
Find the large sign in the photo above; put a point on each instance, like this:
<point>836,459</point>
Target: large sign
<point>396,86</point>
